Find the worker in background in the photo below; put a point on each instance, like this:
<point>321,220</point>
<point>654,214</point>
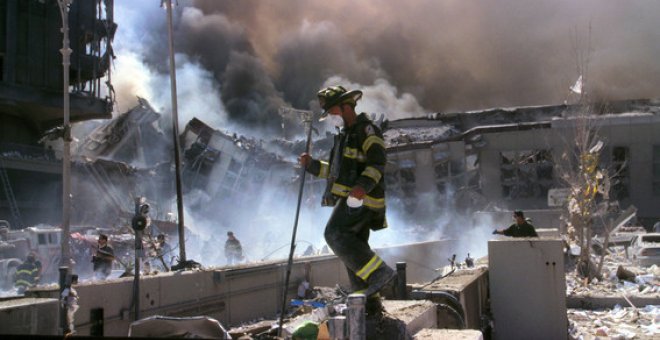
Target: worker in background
<point>163,252</point>
<point>28,273</point>
<point>69,301</point>
<point>356,190</point>
<point>521,228</point>
<point>233,249</point>
<point>103,258</point>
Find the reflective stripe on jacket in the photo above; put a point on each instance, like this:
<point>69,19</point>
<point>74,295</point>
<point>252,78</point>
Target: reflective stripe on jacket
<point>363,163</point>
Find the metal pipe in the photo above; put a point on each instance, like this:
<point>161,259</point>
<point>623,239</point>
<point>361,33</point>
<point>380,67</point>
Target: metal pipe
<point>337,327</point>
<point>401,289</point>
<point>136,277</point>
<point>64,270</point>
<point>66,151</point>
<point>175,134</point>
<point>308,119</point>
<point>357,320</point>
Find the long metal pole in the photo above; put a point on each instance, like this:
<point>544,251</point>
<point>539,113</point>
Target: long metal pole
<point>289,264</point>
<point>136,278</point>
<point>66,151</point>
<point>175,135</point>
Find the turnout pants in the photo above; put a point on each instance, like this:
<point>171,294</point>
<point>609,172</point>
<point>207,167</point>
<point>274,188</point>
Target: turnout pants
<point>347,234</point>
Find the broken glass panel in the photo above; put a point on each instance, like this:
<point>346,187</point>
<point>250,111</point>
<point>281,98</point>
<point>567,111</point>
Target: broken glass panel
<point>526,173</point>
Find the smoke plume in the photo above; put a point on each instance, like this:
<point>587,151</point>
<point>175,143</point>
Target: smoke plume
<point>239,61</point>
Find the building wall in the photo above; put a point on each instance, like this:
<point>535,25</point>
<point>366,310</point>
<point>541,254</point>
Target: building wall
<point>233,295</point>
<point>635,132</point>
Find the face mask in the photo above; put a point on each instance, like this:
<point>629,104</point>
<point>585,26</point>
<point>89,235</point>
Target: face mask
<point>336,120</point>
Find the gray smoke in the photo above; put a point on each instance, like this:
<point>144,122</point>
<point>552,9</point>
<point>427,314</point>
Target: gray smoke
<point>239,61</point>
<point>454,55</point>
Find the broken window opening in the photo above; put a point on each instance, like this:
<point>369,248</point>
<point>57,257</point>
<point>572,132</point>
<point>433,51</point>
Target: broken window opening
<point>525,174</point>
<point>621,175</point>
<point>442,170</point>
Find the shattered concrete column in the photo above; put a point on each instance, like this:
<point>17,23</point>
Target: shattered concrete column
<point>357,328</point>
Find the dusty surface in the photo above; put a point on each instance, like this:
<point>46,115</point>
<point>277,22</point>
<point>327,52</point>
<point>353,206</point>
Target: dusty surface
<point>616,323</point>
<point>646,283</point>
<point>407,310</point>
<point>455,281</point>
<point>449,334</point>
<point>635,313</point>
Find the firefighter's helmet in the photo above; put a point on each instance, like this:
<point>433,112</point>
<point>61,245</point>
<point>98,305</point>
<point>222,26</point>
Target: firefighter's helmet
<point>333,95</point>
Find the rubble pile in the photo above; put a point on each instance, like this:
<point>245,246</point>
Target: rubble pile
<point>308,317</point>
<point>638,289</point>
<point>615,323</point>
<point>644,281</point>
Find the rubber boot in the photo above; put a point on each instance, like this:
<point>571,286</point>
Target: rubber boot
<point>379,279</point>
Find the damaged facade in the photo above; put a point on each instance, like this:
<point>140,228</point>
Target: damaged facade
<point>31,96</point>
<point>229,169</point>
<point>506,158</point>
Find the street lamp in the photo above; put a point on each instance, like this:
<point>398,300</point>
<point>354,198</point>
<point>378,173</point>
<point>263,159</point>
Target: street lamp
<point>66,137</point>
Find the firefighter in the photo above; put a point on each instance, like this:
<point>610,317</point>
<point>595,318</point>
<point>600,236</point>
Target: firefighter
<point>356,190</point>
<point>233,249</point>
<point>27,274</point>
<point>522,228</point>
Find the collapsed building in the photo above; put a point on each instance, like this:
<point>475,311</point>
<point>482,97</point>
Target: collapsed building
<point>506,159</point>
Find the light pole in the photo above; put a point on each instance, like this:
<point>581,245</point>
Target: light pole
<point>66,136</point>
<point>175,135</point>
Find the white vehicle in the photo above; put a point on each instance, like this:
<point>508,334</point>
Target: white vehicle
<point>43,240</point>
<point>644,249</point>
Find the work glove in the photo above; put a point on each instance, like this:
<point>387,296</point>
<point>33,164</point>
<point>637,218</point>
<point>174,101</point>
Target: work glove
<point>357,192</point>
<point>304,160</point>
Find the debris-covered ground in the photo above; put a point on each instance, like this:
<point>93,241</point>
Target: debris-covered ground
<point>307,316</point>
<point>621,279</point>
<point>646,280</point>
<point>616,323</point>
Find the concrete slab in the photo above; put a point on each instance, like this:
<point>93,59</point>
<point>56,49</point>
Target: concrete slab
<point>469,287</point>
<point>417,315</point>
<point>29,316</point>
<point>448,334</point>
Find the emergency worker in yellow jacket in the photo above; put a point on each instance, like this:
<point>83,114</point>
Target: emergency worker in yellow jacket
<point>27,274</point>
<point>356,189</point>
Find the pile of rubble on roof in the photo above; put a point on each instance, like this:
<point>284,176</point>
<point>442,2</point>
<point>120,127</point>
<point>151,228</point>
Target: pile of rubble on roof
<point>615,323</point>
<point>624,304</point>
<point>619,276</point>
<point>323,316</point>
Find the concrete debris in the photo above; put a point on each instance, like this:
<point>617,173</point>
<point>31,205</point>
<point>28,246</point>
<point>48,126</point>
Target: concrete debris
<point>326,314</point>
<point>448,334</point>
<point>615,323</point>
<point>620,276</point>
